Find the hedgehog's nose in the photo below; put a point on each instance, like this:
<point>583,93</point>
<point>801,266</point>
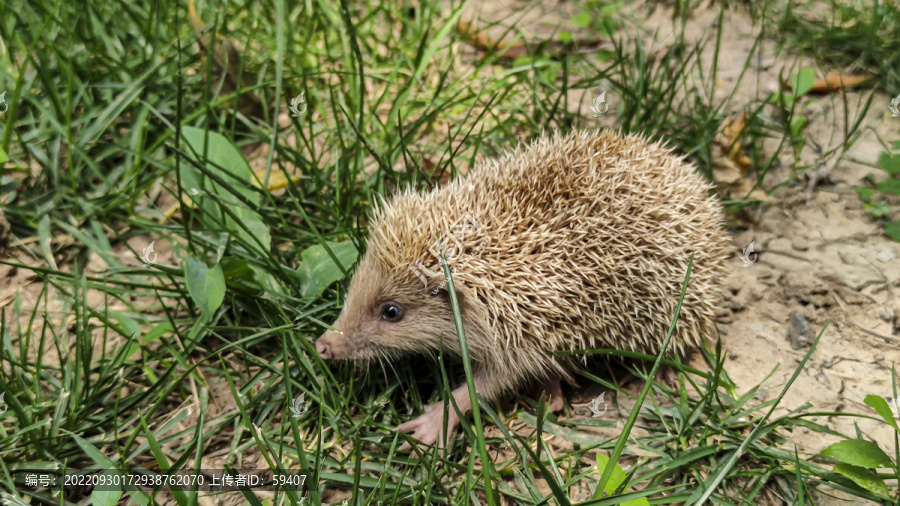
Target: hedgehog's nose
<point>324,347</point>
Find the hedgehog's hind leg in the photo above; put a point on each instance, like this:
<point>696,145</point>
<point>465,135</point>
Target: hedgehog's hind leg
<point>552,385</point>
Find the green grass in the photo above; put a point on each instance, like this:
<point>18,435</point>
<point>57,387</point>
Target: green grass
<point>857,37</point>
<point>115,114</point>
<point>863,38</point>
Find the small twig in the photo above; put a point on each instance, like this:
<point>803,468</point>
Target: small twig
<point>836,297</point>
<point>784,253</point>
<point>889,339</point>
<point>23,242</point>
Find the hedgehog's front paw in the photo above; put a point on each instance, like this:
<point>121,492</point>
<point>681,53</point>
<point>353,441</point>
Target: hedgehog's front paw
<point>428,427</point>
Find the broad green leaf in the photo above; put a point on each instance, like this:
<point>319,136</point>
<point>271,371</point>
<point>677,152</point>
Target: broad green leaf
<point>227,162</point>
<point>248,278</point>
<point>257,228</point>
<point>865,194</point>
<point>878,209</point>
<point>797,125</point>
<point>236,268</point>
<point>891,186</point>
<point>803,82</point>
<point>608,9</point>
<point>140,497</point>
<point>604,55</point>
<point>865,478</point>
<point>268,282</point>
<point>565,37</point>
<point>206,286</point>
<point>606,26</point>
<point>859,452</point>
<point>234,171</point>
<point>318,270</point>
<point>618,476</point>
<point>3,156</point>
<point>889,163</point>
<point>882,408</point>
<point>583,19</point>
<point>892,230</point>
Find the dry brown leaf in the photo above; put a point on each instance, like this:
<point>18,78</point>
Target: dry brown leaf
<point>725,170</point>
<point>511,51</point>
<point>734,128</point>
<point>728,140</point>
<point>730,164</point>
<point>834,80</point>
<point>733,131</point>
<point>484,43</point>
<point>730,181</point>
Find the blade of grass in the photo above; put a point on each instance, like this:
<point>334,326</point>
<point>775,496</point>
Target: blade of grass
<point>632,418</point>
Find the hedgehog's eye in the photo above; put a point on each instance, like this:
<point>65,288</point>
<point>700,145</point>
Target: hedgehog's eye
<point>391,312</point>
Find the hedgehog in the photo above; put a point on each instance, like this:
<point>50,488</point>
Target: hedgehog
<point>575,242</point>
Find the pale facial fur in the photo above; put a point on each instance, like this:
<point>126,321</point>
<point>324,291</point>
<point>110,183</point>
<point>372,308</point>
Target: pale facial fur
<point>386,315</point>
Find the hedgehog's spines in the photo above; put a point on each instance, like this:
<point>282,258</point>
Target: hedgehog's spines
<point>582,227</point>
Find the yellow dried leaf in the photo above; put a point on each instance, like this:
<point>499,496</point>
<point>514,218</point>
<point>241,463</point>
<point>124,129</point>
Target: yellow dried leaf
<point>733,130</point>
<point>277,180</point>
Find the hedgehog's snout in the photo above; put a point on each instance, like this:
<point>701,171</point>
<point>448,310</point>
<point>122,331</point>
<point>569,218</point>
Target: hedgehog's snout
<point>330,345</point>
